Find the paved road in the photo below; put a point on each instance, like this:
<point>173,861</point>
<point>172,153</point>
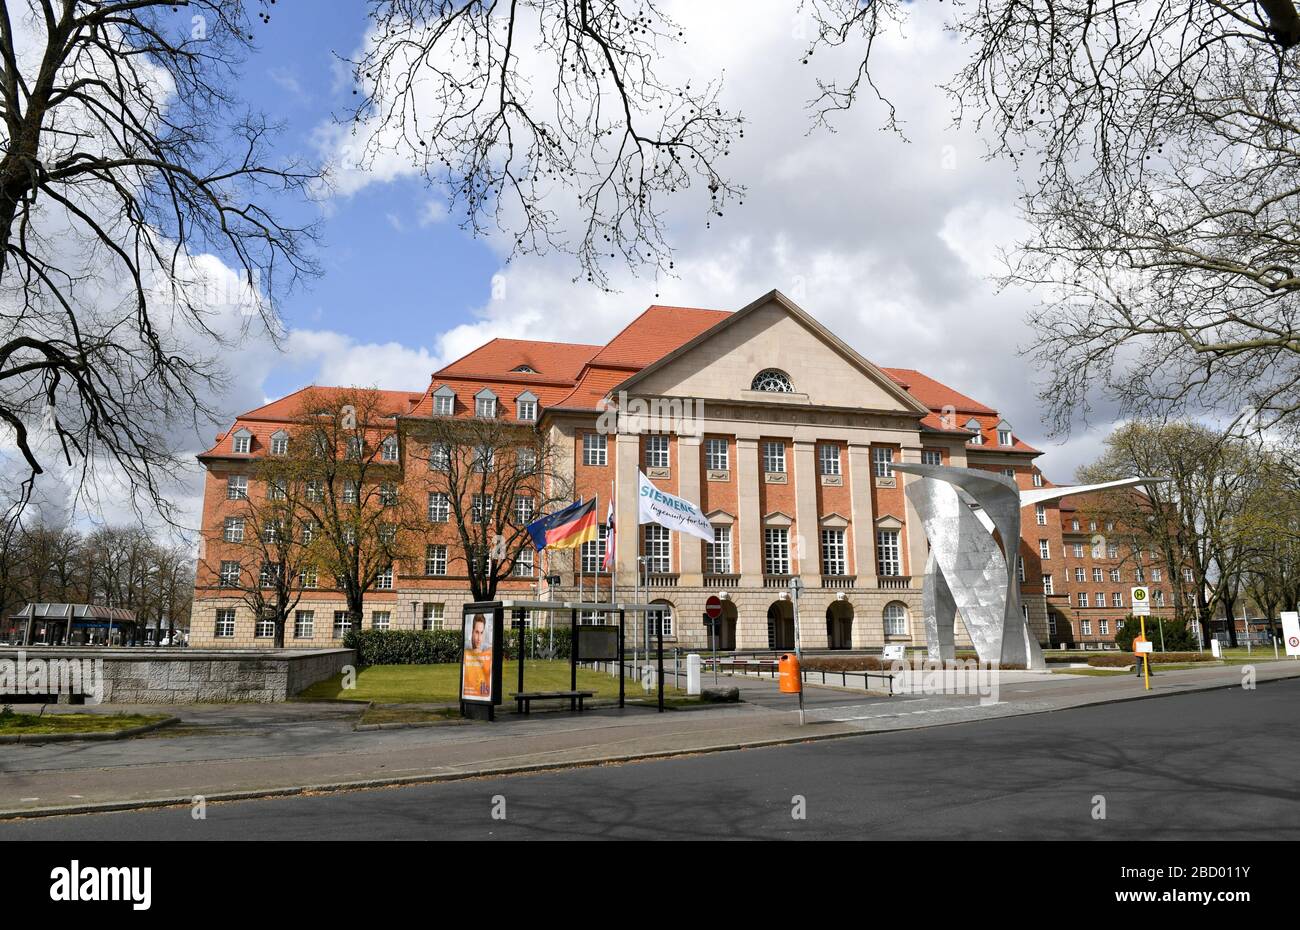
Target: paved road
<point>1207,765</point>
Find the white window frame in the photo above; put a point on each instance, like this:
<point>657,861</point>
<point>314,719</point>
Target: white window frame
<point>229,574</point>
<point>835,559</point>
<point>889,558</point>
<point>717,554</point>
<point>931,457</point>
<point>237,487</point>
<point>656,451</point>
<point>304,624</point>
<point>595,450</point>
<point>828,458</point>
<point>894,619</point>
<point>224,627</point>
<point>717,456</point>
<point>232,531</point>
<point>776,550</point>
<point>657,548</point>
<point>435,560</point>
<point>242,444</point>
<point>526,411</point>
<point>1040,514</point>
<point>1044,549</point>
<point>882,461</point>
<point>439,509</point>
<point>773,456</point>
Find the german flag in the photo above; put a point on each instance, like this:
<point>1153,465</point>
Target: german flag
<point>567,528</point>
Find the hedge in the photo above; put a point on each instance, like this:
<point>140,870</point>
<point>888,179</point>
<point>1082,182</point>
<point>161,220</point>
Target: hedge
<point>1157,658</point>
<point>1177,637</point>
<point>432,647</point>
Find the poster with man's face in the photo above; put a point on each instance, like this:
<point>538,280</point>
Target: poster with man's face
<point>476,668</point>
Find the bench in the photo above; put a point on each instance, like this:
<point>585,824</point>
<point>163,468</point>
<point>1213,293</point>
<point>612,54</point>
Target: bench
<point>523,699</point>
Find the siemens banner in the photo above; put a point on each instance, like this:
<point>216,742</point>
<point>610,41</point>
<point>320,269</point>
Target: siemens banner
<point>674,512</point>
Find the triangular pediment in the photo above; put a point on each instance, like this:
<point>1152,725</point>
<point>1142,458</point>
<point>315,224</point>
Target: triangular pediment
<point>773,333</point>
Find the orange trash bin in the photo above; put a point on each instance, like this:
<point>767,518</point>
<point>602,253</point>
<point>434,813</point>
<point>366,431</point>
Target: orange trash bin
<point>791,682</point>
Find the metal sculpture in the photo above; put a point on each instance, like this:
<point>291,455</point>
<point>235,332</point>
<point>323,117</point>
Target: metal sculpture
<point>968,571</point>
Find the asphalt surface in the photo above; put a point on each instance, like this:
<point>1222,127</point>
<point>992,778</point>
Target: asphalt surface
<point>1208,765</point>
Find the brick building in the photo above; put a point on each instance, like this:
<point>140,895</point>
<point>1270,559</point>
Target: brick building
<point>782,434</point>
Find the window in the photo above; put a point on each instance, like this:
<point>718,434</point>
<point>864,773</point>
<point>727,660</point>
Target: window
<point>1110,526</point>
<point>1114,574</point>
<point>229,574</point>
<point>1187,575</point>
<point>526,410</point>
<point>351,492</point>
<point>887,558</point>
<point>1009,473</point>
<point>279,444</point>
<point>1040,514</point>
<point>715,454</point>
<point>828,459</point>
<point>481,508</point>
<point>439,507</point>
<point>237,487</point>
<point>773,381</point>
<point>895,619</point>
<point>304,624</point>
<point>1086,626</point>
<point>1044,549</point>
<point>593,449</point>
<point>1103,627</point>
<point>1096,574</point>
<point>242,444</point>
<point>264,628</point>
<point>1080,575</point>
<point>388,494</point>
<point>484,458</point>
<point>342,624</point>
<point>225,622</point>
<point>485,407</point>
<point>774,456</point>
<point>931,457</point>
<point>659,619</point>
<point>1100,599</point>
<point>384,580</point>
<point>389,451</point>
<point>269,576</point>
<point>593,551</point>
<point>380,619</point>
<point>1020,569</point>
<point>1159,596</point>
<point>1116,600</point>
<point>435,560</point>
<point>1139,575</point>
<point>430,616</point>
<point>717,554</point>
<point>1004,437</point>
<point>1157,575</point>
<point>1092,526</point>
<point>308,579</point>
<point>523,509</point>
<point>315,490</point>
<point>1112,552</point>
<point>525,461</point>
<point>444,404</point>
<point>1051,622</point>
<point>1038,483</point>
<point>439,456</point>
<point>356,447</point>
<point>233,530</point>
<point>1083,599</point>
<point>1074,525</point>
<point>656,452</point>
<point>882,459</point>
<point>523,564</point>
<point>1078,550</point>
<point>833,557</point>
<point>658,549</point>
<point>1047,585</point>
<point>776,550</point>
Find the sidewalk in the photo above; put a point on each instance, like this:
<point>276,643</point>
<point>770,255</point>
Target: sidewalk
<point>225,752</point>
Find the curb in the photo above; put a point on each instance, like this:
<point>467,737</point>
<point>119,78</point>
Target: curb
<point>35,738</point>
<point>543,767</point>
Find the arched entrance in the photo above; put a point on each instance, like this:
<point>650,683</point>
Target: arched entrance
<point>727,627</point>
<point>780,625</point>
<point>839,625</point>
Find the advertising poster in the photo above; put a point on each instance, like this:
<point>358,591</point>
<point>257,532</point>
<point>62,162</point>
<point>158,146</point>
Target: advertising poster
<point>480,669</point>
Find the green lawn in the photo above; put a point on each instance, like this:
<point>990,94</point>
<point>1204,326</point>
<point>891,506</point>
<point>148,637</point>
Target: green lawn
<point>439,684</point>
<point>73,723</point>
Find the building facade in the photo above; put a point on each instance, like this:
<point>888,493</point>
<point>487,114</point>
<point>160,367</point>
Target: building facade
<point>783,434</point>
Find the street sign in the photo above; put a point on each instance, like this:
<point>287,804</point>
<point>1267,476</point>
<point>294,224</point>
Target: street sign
<point>713,607</point>
<point>1141,601</point>
<point>1291,631</point>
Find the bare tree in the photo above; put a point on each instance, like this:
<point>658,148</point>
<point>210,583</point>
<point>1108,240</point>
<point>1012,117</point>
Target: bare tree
<point>125,155</point>
<point>1159,152</point>
<point>343,459</point>
<point>506,106</point>
<point>487,477</point>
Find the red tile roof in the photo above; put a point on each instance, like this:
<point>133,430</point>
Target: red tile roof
<point>549,361</point>
<point>935,394</point>
<point>654,334</point>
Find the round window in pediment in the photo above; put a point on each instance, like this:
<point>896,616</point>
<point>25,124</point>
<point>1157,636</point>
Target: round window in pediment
<point>772,380</point>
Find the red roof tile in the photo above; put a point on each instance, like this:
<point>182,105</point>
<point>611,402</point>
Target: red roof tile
<point>549,361</point>
<point>654,334</point>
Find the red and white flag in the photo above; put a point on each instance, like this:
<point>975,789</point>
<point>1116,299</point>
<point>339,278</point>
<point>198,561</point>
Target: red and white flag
<point>609,536</point>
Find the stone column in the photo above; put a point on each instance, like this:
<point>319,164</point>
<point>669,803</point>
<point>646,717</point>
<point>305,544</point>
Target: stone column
<point>749,521</point>
<point>805,512</point>
<point>691,564</point>
<point>864,521</point>
<point>627,455</point>
<point>917,549</point>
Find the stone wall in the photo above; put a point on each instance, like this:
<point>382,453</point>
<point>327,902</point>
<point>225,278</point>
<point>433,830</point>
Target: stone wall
<point>145,676</point>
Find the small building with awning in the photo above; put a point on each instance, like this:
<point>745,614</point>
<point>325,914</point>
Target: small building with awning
<point>71,625</point>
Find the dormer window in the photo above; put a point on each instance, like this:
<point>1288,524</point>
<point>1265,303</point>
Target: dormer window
<point>242,443</point>
<point>485,404</point>
<point>1004,434</point>
<point>526,407</point>
<point>525,369</point>
<point>280,443</point>
<point>772,381</point>
<point>974,426</point>
<point>444,401</point>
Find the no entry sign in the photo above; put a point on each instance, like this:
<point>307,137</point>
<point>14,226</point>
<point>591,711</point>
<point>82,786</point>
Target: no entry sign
<point>1291,631</point>
<point>713,607</point>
